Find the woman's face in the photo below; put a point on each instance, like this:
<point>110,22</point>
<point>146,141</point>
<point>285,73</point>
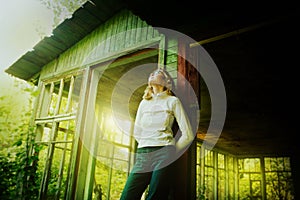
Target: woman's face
<point>157,78</point>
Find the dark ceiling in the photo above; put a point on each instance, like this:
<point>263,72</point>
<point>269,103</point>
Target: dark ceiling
<point>258,64</point>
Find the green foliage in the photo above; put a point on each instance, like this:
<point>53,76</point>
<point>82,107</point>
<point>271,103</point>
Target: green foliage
<point>16,107</point>
<point>18,170</point>
<point>201,193</point>
<point>62,8</point>
<point>16,163</point>
<point>7,178</point>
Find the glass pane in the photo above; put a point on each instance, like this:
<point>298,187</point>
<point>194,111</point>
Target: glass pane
<point>221,184</point>
<point>42,160</point>
<point>209,183</point>
<point>54,99</point>
<point>101,178</point>
<point>244,186</point>
<point>231,177</point>
<point>56,138</point>
<point>46,133</point>
<point>75,95</point>
<point>64,98</point>
<point>59,170</point>
<point>255,189</point>
<point>118,180</point>
<point>249,178</point>
<point>279,184</point>
<point>221,161</point>
<point>208,158</point>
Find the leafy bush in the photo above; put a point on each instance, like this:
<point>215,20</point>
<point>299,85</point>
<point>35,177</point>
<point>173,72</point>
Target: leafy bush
<point>17,165</point>
<point>18,177</point>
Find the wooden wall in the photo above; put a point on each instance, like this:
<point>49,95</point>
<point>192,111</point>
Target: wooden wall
<point>124,31</point>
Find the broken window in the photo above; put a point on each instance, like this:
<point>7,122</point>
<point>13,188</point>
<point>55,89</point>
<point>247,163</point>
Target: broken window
<point>55,121</point>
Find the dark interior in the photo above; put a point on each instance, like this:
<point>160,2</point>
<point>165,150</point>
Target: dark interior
<point>255,50</point>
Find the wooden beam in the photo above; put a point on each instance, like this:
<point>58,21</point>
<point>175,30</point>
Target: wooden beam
<point>185,183</point>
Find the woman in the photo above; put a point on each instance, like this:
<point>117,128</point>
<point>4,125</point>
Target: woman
<point>157,147</point>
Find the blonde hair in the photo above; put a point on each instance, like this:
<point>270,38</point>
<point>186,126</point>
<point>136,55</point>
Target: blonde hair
<point>148,92</point>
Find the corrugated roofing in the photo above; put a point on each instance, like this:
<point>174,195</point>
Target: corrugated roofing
<point>69,32</point>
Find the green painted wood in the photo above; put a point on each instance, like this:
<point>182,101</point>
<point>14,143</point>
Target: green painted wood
<point>77,145</point>
<point>54,43</point>
<point>113,33</point>
<point>93,129</point>
<point>120,39</point>
<point>134,21</point>
<point>107,34</point>
<point>31,67</point>
<point>88,145</point>
<point>114,27</point>
<point>34,58</point>
<point>48,45</point>
<point>129,29</point>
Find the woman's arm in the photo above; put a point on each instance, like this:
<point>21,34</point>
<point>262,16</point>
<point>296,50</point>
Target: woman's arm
<point>137,124</point>
<point>185,127</point>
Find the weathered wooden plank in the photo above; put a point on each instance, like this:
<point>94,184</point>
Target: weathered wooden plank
<point>81,55</point>
<point>77,145</point>
<point>47,171</point>
<point>17,69</point>
<point>32,57</point>
<point>99,42</point>
<point>59,42</point>
<point>144,30</point>
<point>128,30</point>
<point>83,51</point>
<point>62,35</point>
<point>68,64</point>
<point>70,93</point>
<point>39,104</point>
<point>52,85</point>
<point>30,67</point>
<point>62,162</point>
<point>78,31</point>
<point>85,26</point>
<point>91,54</point>
<point>97,50</point>
<point>139,30</point>
<point>89,20</point>
<point>101,15</point>
<point>59,97</point>
<point>89,183</point>
<point>150,33</point>
<point>76,60</point>
<point>107,33</point>
<point>46,53</point>
<point>120,39</point>
<point>133,38</point>
<point>112,38</point>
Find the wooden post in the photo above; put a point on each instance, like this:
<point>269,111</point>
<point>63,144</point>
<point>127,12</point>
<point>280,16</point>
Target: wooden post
<point>185,166</point>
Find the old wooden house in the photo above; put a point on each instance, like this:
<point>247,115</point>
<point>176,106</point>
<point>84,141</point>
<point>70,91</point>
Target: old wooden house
<point>91,73</point>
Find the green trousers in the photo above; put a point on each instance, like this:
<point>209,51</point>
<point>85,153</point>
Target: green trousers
<point>152,168</point>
